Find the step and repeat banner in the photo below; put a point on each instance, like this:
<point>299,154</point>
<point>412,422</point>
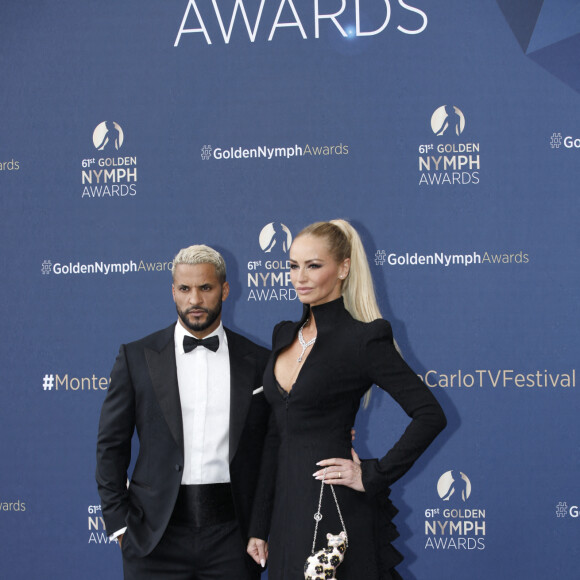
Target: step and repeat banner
<point>447,132</point>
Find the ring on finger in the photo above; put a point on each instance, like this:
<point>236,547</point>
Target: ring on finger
<point>339,475</point>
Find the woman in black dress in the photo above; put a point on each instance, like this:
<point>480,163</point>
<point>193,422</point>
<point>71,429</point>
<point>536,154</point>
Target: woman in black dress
<point>320,368</point>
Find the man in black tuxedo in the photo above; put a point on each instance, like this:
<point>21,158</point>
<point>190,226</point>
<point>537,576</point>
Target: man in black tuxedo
<point>193,392</point>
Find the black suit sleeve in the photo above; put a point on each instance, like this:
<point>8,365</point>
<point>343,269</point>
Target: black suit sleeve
<point>387,369</point>
<point>116,427</point>
<point>264,498</point>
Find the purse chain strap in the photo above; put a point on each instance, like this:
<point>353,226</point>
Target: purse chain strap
<point>318,514</point>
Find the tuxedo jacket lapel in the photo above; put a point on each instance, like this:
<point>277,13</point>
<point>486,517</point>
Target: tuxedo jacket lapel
<point>163,373</point>
<point>242,373</point>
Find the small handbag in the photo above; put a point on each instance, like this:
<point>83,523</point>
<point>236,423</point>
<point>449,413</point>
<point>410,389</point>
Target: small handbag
<point>320,564</point>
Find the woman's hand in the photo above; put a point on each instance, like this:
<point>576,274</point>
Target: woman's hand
<point>258,549</point>
<point>342,472</point>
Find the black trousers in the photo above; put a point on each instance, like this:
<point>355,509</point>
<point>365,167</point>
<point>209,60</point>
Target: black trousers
<point>192,553</point>
<point>202,541</point>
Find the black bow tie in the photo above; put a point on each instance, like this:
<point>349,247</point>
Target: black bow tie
<point>189,343</point>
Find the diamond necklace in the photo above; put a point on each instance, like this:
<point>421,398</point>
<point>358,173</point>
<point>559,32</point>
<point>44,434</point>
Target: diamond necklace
<point>303,343</point>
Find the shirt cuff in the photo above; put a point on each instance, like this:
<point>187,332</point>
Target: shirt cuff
<point>118,533</point>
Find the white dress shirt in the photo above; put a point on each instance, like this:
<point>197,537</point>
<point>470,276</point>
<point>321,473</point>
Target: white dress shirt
<point>204,390</point>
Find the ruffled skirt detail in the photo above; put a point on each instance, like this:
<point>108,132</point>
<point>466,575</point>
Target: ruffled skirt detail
<point>385,533</point>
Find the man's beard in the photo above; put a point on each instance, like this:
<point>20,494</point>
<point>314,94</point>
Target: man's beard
<point>212,316</point>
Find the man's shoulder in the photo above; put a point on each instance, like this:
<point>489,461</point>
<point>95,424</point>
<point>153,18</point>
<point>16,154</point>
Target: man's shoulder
<point>158,339</point>
<point>244,344</point>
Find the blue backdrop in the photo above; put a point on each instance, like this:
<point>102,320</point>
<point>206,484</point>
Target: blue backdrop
<point>447,132</point>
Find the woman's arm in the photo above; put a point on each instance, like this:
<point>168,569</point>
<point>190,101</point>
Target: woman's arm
<point>387,369</point>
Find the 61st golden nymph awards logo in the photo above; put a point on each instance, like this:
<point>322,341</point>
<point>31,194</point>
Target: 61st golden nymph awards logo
<point>269,273</point>
<point>448,160</point>
<point>454,524</point>
<point>97,532</point>
<point>108,174</point>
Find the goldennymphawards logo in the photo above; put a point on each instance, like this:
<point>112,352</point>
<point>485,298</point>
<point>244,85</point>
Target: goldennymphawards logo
<point>99,267</point>
<point>269,152</point>
<point>262,19</point>
<point>458,525</point>
<point>11,165</point>
<point>55,382</point>
<point>11,505</point>
<point>269,275</point>
<point>556,140</point>
<point>96,526</point>
<point>564,511</point>
<point>569,142</point>
<point>447,259</point>
<point>109,176</point>
<point>448,161</point>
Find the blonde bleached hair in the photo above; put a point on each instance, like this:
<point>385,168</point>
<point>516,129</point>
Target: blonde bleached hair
<point>201,254</point>
<point>357,289</point>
